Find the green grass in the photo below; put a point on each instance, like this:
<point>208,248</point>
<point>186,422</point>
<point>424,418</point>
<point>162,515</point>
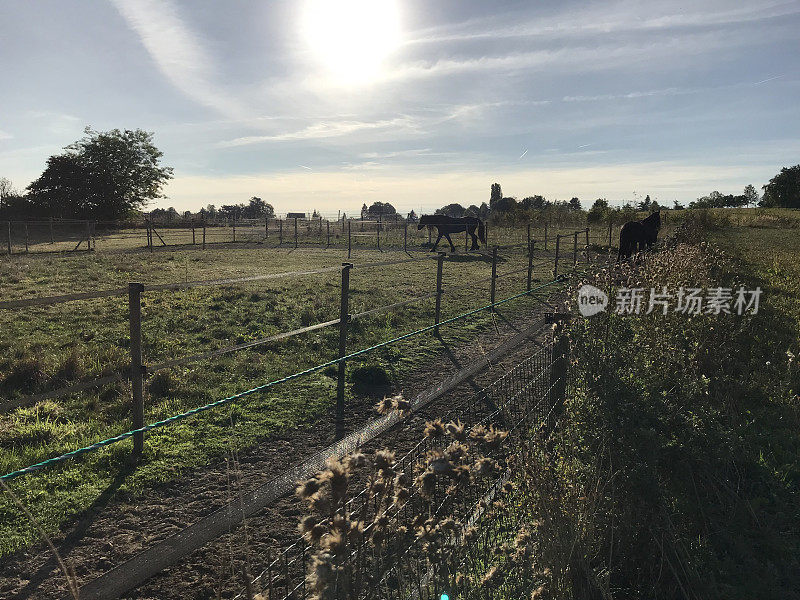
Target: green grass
<point>44,348</point>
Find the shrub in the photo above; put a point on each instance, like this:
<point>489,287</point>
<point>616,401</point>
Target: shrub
<point>370,379</point>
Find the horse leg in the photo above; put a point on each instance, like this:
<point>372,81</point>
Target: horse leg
<point>437,243</point>
<point>452,247</point>
<point>471,231</point>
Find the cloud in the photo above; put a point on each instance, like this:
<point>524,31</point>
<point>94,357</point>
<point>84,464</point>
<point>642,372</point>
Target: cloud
<point>176,51</point>
<point>4,135</point>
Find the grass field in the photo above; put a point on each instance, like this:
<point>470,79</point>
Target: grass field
<point>44,348</point>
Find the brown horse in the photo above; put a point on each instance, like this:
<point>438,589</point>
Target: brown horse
<point>446,225</point>
<point>636,236</point>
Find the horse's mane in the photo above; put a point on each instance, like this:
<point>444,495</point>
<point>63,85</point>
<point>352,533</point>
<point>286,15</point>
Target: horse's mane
<point>653,220</point>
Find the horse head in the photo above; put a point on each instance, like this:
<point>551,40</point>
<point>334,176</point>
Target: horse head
<point>654,220</point>
<point>423,221</point>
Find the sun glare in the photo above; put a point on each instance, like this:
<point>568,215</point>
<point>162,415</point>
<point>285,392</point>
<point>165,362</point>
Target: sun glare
<point>352,38</point>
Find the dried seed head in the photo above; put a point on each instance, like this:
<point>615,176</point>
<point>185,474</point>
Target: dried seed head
<point>333,542</point>
<point>385,406</point>
<point>321,572</point>
<point>484,466</point>
<point>401,496</point>
<point>357,461</point>
<point>434,429</point>
<point>427,484</point>
<point>384,460</point>
<point>402,405</point>
<point>456,451</point>
<point>456,430</point>
<point>492,576</point>
<point>478,432</point>
<point>538,593</point>
<point>337,476</point>
<point>307,489</point>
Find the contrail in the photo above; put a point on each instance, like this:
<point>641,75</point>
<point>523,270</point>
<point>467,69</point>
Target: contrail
<point>305,167</point>
<point>766,80</point>
<point>523,154</point>
<point>584,146</point>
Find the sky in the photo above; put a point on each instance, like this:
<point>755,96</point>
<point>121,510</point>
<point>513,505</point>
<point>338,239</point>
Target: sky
<point>325,105</point>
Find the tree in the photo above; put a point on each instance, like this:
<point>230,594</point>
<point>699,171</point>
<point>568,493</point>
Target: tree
<point>678,206</point>
<point>258,209</point>
<point>495,195</point>
<point>645,204</point>
<point>751,195</point>
<point>315,214</point>
<point>364,211</point>
<point>575,204</point>
<point>451,210</point>
<point>6,190</point>
<point>536,202</point>
<point>783,189</point>
<point>598,211</point>
<point>103,175</point>
<point>505,205</point>
<point>380,209</point>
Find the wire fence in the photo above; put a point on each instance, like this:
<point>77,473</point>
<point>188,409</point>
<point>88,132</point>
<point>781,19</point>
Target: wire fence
<point>350,235</point>
<point>393,552</point>
<point>138,370</point>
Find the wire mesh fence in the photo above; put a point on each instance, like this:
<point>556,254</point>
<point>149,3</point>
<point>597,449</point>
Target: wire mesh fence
<point>413,540</point>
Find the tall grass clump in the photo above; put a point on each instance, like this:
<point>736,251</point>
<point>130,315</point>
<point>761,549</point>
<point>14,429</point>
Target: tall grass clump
<point>674,473</point>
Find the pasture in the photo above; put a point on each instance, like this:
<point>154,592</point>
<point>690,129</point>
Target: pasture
<point>49,347</point>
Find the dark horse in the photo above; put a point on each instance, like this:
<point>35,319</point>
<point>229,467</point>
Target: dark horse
<point>446,225</point>
<point>639,235</point>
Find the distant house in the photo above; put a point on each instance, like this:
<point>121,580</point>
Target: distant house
<point>295,215</point>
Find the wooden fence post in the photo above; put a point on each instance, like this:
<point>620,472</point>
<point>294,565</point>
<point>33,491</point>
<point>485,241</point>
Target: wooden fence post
<point>8,239</point>
<point>429,235</point>
<point>204,235</point>
<point>545,236</point>
<point>405,236</point>
<point>328,224</point>
<point>52,240</point>
<point>555,266</point>
<point>494,274</point>
<point>530,263</point>
<point>609,230</point>
<point>379,234</point>
<point>193,242</point>
<point>266,228</point>
<point>466,241</point>
<point>295,232</point>
<point>137,372</point>
<point>587,244</point>
<point>439,265</point>
<point>280,232</point>
<point>575,249</point>
<point>26,238</point>
<point>234,228</point>
<point>349,240</point>
<point>149,236</point>
<point>88,238</point>
<point>344,317</point>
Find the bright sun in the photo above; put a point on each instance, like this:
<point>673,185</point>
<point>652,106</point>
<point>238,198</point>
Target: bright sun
<point>352,38</point>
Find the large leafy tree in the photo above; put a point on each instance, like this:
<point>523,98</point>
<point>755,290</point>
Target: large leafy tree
<point>783,189</point>
<point>104,175</point>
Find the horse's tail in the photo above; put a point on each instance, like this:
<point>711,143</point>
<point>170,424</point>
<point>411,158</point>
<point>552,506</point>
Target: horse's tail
<point>481,231</point>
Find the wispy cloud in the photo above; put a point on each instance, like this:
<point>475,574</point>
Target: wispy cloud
<point>4,135</point>
<point>176,51</point>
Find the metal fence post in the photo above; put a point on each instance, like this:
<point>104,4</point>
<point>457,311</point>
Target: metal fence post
<point>328,225</point>
<point>349,240</point>
<point>204,236</point>
<point>529,235</point>
<point>234,228</point>
<point>52,240</point>
<point>555,266</point>
<point>280,232</point>
<point>379,235</point>
<point>466,240</point>
<point>266,228</point>
<point>494,274</point>
<point>88,238</point>
<point>439,265</point>
<point>295,232</point>
<point>8,239</point>
<point>558,376</point>
<point>344,317</point>
<point>26,238</point>
<point>405,236</point>
<point>137,372</point>
<point>530,263</point>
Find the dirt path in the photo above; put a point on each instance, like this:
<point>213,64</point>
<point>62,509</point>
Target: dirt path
<point>116,531</point>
